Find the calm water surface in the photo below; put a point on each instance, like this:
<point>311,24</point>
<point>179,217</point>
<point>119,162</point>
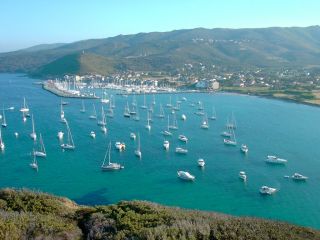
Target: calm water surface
<point>268,127</point>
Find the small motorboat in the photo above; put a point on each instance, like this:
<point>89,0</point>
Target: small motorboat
<point>185,176</point>
<point>265,190</point>
<point>92,134</point>
<point>166,144</point>
<point>183,138</point>
<point>181,150</point>
<point>242,175</point>
<point>201,162</point>
<point>275,160</point>
<point>133,136</point>
<point>299,177</point>
<point>120,146</point>
<point>244,148</point>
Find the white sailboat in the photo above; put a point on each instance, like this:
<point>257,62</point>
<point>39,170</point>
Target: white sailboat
<point>153,100</point>
<point>83,108</point>
<point>24,108</point>
<point>174,125</point>
<point>144,106</point>
<point>232,124</point>
<point>161,112</point>
<point>4,121</point>
<point>227,133</point>
<point>137,152</point>
<point>102,122</point>
<point>110,166</point>
<point>62,117</point>
<point>169,105</point>
<point>205,123</point>
<point>167,132</point>
<point>232,141</point>
<point>166,145</point>
<point>136,117</point>
<point>2,146</point>
<point>110,113</point>
<point>33,134</point>
<point>148,126</point>
<point>94,113</point>
<point>41,152</point>
<point>34,163</point>
<point>214,114</point>
<point>69,145</point>
<point>104,98</point>
<point>126,111</point>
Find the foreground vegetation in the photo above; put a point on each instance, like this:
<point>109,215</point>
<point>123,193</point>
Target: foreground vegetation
<point>30,215</point>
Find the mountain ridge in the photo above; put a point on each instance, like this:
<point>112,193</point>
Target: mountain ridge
<point>167,51</point>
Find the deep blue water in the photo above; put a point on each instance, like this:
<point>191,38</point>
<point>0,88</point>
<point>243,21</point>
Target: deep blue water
<point>267,126</point>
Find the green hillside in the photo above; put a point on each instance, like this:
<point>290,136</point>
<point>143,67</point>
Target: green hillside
<point>30,215</point>
<point>265,47</point>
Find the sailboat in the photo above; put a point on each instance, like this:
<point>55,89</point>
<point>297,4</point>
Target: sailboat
<point>174,125</point>
<point>41,152</point>
<point>34,163</point>
<point>4,121</point>
<point>232,124</point>
<point>169,105</point>
<point>24,108</point>
<point>104,98</point>
<point>94,113</point>
<point>83,108</point>
<point>144,106</point>
<point>214,114</point>
<point>110,110</point>
<point>205,123</point>
<point>167,132</point>
<point>232,141</point>
<point>24,118</point>
<point>110,166</point>
<point>102,122</point>
<point>148,126</point>
<point>33,135</point>
<point>153,100</point>
<point>136,116</point>
<point>62,117</point>
<point>137,152</point>
<point>2,146</point>
<point>70,144</point>
<point>227,133</point>
<point>161,112</point>
<point>126,111</point>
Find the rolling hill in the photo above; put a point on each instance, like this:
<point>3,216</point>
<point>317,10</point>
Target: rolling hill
<point>166,51</point>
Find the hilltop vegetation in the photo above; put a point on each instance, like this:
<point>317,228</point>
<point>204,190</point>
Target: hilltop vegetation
<point>166,51</point>
<point>30,215</point>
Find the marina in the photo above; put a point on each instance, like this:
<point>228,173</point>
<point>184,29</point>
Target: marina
<point>79,175</point>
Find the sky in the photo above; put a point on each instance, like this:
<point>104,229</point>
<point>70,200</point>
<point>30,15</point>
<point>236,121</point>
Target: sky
<point>25,23</point>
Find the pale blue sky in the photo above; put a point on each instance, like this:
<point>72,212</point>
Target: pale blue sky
<point>25,23</point>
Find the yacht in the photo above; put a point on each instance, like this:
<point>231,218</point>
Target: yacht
<point>181,150</point>
<point>275,160</point>
<point>92,134</point>
<point>110,166</point>
<point>185,176</point>
<point>242,175</point>
<point>166,144</point>
<point>183,117</point>
<point>201,162</point>
<point>120,146</point>
<point>133,136</point>
<point>183,138</point>
<point>244,148</point>
<point>267,190</point>
<point>232,141</point>
<point>299,177</point>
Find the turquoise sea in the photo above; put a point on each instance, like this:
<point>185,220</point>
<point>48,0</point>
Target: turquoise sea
<point>267,126</point>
